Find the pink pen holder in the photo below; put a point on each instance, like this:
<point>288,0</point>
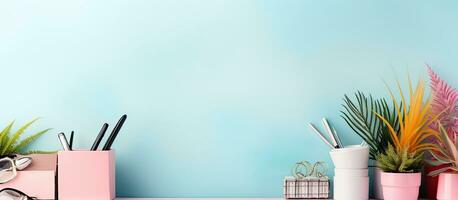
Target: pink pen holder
<point>88,175</point>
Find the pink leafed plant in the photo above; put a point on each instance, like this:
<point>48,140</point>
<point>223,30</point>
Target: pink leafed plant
<point>444,105</point>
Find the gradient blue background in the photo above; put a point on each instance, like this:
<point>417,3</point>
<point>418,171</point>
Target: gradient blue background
<point>217,92</point>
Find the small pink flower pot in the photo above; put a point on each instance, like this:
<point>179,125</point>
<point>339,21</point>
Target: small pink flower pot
<point>400,186</point>
<point>447,188</point>
<point>431,182</point>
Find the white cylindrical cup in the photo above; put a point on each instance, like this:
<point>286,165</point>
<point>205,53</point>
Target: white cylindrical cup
<point>351,172</point>
<point>351,157</point>
<point>351,188</point>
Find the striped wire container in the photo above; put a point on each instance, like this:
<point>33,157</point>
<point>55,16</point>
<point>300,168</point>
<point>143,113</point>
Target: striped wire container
<point>307,188</point>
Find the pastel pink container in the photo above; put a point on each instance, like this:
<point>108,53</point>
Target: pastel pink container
<point>37,180</point>
<point>88,175</point>
<point>400,186</point>
<point>448,186</point>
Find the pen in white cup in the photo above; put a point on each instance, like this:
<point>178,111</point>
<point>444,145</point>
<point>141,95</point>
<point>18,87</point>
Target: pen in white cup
<point>321,136</point>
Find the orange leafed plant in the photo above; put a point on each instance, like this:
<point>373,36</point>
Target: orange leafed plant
<point>414,121</point>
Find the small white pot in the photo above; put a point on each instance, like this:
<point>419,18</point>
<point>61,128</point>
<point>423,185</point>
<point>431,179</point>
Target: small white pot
<point>351,188</point>
<point>351,172</point>
<point>351,157</point>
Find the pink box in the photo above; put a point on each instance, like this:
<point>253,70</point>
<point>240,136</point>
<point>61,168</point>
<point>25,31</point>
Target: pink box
<point>37,180</point>
<point>88,175</point>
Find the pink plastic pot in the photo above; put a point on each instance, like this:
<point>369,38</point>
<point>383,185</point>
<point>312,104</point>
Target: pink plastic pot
<point>431,182</point>
<point>400,186</point>
<point>447,188</point>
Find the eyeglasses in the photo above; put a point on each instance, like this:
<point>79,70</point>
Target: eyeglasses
<point>9,166</point>
<point>13,194</point>
<point>7,169</point>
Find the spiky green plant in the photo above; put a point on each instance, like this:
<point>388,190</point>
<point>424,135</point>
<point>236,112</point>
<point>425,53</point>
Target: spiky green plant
<point>10,142</point>
<point>446,153</point>
<point>410,142</point>
<point>404,162</point>
<point>361,118</point>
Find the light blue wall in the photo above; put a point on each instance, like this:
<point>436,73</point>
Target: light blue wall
<point>217,92</point>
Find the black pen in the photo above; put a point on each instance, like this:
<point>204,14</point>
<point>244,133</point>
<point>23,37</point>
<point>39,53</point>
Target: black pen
<point>99,137</point>
<point>71,140</point>
<point>114,133</point>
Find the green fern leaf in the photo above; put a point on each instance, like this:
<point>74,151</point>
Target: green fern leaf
<point>4,135</point>
<point>11,144</point>
<point>26,141</point>
<point>361,118</point>
<point>9,147</point>
<point>37,152</point>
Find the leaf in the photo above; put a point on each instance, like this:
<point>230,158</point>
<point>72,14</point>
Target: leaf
<point>360,117</point>
<point>437,172</point>
<point>440,159</point>
<point>450,146</point>
<point>37,152</point>
<point>400,162</point>
<point>26,141</point>
<point>456,143</point>
<point>434,162</point>
<point>7,148</point>
<point>4,135</point>
<point>413,117</point>
<point>11,144</point>
<point>445,99</point>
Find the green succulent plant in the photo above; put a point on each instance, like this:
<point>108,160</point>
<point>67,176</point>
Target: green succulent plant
<point>10,142</point>
<point>404,162</point>
<point>362,119</point>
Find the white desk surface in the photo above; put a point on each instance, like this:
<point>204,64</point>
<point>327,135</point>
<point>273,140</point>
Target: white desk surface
<point>201,199</point>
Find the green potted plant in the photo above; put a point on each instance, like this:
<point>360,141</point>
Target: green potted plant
<point>403,161</point>
<point>360,115</point>
<point>447,158</point>
<point>11,142</point>
<point>43,165</point>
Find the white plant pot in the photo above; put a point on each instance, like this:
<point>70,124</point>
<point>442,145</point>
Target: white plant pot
<point>351,172</point>
<point>351,188</point>
<point>350,157</point>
